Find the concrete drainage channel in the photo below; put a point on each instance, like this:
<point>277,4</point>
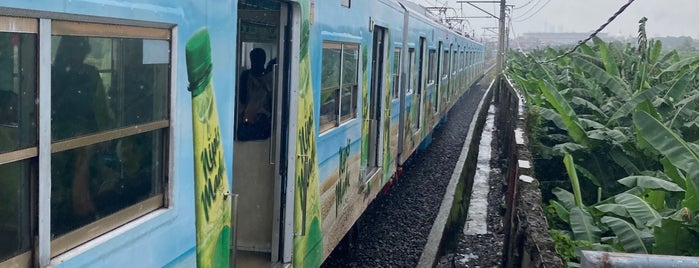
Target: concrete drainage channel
<point>452,215</point>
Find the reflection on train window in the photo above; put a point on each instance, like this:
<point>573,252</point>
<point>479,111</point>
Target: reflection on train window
<point>432,67</point>
<point>338,98</point>
<point>101,83</point>
<point>412,77</point>
<point>18,141</point>
<point>109,119</point>
<point>445,64</point>
<point>396,72</point>
<point>455,61</point>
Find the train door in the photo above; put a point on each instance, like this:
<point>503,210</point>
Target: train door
<point>261,132</point>
<point>377,67</point>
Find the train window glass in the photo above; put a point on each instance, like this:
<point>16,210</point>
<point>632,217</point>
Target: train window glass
<point>109,113</point>
<point>455,62</point>
<point>396,72</point>
<point>411,71</point>
<point>330,81</point>
<point>445,64</point>
<point>338,98</point>
<point>432,67</point>
<point>18,140</point>
<point>348,97</point>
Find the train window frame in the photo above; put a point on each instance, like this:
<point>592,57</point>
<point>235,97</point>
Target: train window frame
<point>39,155</point>
<point>25,155</point>
<point>431,66</point>
<point>411,71</point>
<point>158,127</point>
<point>396,72</point>
<point>337,91</point>
<point>446,59</point>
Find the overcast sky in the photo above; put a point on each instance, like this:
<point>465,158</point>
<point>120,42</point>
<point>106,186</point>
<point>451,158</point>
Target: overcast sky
<point>665,17</point>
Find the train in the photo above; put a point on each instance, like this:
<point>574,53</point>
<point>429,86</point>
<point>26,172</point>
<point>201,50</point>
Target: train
<point>159,133</point>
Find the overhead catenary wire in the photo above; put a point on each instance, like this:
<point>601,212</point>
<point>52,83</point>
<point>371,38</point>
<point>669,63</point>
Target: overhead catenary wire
<point>535,12</point>
<point>523,6</point>
<point>532,8</point>
<point>612,18</point>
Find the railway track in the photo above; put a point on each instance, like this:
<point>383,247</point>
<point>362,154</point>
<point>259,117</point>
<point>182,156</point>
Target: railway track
<point>395,227</point>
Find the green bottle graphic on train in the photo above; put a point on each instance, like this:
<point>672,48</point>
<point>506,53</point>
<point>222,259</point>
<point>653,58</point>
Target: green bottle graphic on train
<point>213,205</point>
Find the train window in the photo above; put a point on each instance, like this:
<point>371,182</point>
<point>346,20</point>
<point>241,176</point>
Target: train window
<point>396,72</point>
<point>348,99</point>
<point>455,62</point>
<point>18,140</point>
<point>411,71</point>
<point>338,98</point>
<point>432,67</point>
<point>445,64</point>
<point>109,123</point>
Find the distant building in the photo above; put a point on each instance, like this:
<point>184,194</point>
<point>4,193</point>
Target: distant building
<point>540,40</point>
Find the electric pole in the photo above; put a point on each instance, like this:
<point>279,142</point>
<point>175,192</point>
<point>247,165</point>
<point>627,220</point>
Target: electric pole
<point>501,41</point>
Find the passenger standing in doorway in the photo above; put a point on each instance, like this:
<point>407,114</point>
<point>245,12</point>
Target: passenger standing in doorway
<point>255,99</point>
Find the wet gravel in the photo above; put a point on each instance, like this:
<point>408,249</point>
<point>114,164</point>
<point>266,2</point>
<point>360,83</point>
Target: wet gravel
<point>394,229</point>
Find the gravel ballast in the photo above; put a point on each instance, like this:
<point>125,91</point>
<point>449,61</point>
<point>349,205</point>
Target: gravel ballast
<point>394,229</point>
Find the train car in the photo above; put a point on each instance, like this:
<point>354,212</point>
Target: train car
<point>152,133</point>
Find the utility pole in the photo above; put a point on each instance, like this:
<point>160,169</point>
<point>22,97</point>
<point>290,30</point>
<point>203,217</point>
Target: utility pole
<point>500,57</point>
<point>501,41</point>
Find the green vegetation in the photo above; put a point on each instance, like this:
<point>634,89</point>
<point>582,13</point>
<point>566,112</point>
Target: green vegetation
<point>620,123</point>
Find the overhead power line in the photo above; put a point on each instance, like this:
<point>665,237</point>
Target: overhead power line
<point>535,12</point>
<point>612,18</point>
<point>533,7</point>
<point>525,4</point>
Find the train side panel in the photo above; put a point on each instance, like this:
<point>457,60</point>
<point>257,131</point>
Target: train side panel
<point>165,236</point>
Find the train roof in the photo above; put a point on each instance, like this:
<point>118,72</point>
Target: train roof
<point>421,11</point>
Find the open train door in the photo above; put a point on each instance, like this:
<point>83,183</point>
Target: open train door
<point>267,61</point>
<point>375,111</point>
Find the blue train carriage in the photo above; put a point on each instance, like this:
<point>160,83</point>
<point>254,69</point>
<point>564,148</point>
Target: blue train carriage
<point>96,135</point>
<point>382,80</point>
<point>123,124</point>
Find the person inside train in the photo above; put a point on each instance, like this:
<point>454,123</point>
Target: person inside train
<point>78,108</point>
<point>255,99</point>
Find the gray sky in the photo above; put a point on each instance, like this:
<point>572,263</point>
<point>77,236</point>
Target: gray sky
<point>665,17</point>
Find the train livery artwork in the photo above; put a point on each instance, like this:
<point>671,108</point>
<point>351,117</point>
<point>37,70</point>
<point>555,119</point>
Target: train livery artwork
<point>158,133</point>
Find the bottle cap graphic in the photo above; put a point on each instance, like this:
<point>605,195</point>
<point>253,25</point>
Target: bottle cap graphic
<point>198,53</point>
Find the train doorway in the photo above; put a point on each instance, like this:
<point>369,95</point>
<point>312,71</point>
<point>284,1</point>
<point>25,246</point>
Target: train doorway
<point>261,132</point>
<point>377,67</point>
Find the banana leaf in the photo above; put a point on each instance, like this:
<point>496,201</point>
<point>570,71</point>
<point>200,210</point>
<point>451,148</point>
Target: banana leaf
<point>574,182</point>
<point>648,182</point>
<point>599,114</point>
<point>615,209</point>
<point>630,104</point>
<point>561,211</point>
<point>622,159</point>
<point>672,146</point>
<point>679,88</point>
<point>609,62</point>
<point>641,212</point>
<point>673,238</point>
<point>583,226</point>
<point>565,198</point>
<point>630,238</point>
<point>655,51</point>
<point>614,83</point>
<point>682,64</point>
<point>567,113</point>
